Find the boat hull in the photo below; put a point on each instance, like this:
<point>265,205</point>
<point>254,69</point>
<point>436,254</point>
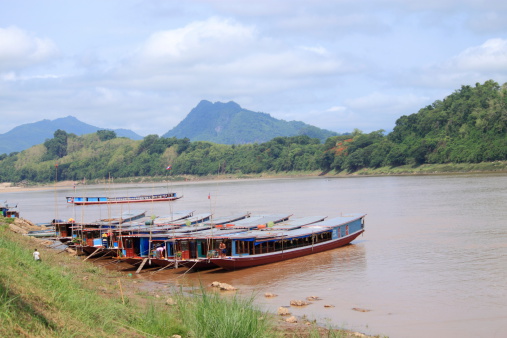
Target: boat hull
<point>198,264</point>
<point>151,262</point>
<point>98,251</point>
<point>234,263</point>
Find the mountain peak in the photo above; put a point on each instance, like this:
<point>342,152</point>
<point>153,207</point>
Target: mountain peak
<point>27,135</point>
<point>229,123</point>
<point>205,104</point>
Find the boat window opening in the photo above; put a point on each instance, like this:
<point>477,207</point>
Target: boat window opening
<point>242,247</point>
<point>183,245</point>
<point>201,249</point>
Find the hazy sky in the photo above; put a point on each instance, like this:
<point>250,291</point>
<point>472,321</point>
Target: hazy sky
<point>339,65</point>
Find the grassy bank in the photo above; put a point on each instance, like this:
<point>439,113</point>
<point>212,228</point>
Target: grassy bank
<point>430,169</point>
<point>63,296</point>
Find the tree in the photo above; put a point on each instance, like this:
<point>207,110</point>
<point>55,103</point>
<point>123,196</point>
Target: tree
<point>57,146</point>
<point>105,135</point>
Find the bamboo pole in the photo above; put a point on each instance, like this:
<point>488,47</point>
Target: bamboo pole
<point>93,253</point>
<point>121,292</point>
<point>141,266</point>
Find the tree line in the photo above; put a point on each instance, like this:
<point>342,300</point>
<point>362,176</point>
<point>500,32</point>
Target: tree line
<point>468,126</point>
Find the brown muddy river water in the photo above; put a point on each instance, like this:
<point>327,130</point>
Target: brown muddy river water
<point>432,262</point>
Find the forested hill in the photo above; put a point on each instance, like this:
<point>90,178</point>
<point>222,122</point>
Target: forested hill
<point>468,126</point>
<point>228,123</point>
<point>26,135</point>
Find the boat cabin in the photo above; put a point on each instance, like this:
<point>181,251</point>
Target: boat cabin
<point>9,211</point>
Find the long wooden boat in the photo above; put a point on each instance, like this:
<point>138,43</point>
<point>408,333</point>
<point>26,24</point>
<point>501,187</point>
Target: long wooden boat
<point>256,247</point>
<point>42,233</point>
<point>126,199</point>
<point>211,239</point>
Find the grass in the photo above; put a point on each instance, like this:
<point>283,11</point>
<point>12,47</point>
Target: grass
<point>427,169</point>
<point>59,298</point>
<point>211,316</point>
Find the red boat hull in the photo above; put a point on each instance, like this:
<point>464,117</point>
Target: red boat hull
<point>88,250</point>
<point>160,262</point>
<point>234,263</point>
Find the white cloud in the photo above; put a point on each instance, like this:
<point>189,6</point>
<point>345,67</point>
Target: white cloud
<point>491,55</point>
<point>223,57</point>
<point>475,64</point>
<point>198,41</point>
<point>336,109</point>
<point>317,49</point>
<point>378,101</point>
<point>18,49</point>
<point>374,111</point>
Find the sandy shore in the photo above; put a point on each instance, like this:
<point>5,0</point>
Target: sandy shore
<point>10,187</point>
<point>481,168</point>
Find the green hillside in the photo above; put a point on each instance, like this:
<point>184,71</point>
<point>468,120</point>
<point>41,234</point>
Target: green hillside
<point>468,126</point>
<point>228,123</point>
<point>24,136</point>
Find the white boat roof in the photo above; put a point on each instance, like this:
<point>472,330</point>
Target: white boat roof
<point>303,231</point>
<point>213,233</point>
<point>195,218</point>
<point>170,226</point>
<point>229,219</point>
<point>332,222</point>
<point>177,215</point>
<point>255,221</point>
<point>295,223</point>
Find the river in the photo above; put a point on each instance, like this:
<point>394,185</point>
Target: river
<point>432,262</point>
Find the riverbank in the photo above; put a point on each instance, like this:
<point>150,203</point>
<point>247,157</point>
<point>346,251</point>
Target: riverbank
<point>424,169</point>
<point>63,295</point>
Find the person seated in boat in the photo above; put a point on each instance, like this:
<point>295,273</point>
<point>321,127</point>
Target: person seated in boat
<point>222,249</point>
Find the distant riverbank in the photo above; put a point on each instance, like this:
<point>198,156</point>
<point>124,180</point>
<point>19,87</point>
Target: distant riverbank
<point>424,169</point>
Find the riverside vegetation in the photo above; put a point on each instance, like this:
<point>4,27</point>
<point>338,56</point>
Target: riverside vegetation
<point>63,296</point>
<point>454,134</point>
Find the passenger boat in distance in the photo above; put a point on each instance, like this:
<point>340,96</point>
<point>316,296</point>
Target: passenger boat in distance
<point>258,247</point>
<point>115,200</point>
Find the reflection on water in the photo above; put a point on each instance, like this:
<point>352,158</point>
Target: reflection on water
<point>432,261</point>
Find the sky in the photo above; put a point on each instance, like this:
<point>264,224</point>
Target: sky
<point>339,65</point>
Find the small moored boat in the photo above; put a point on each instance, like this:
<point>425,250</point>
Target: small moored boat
<point>7,210</point>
